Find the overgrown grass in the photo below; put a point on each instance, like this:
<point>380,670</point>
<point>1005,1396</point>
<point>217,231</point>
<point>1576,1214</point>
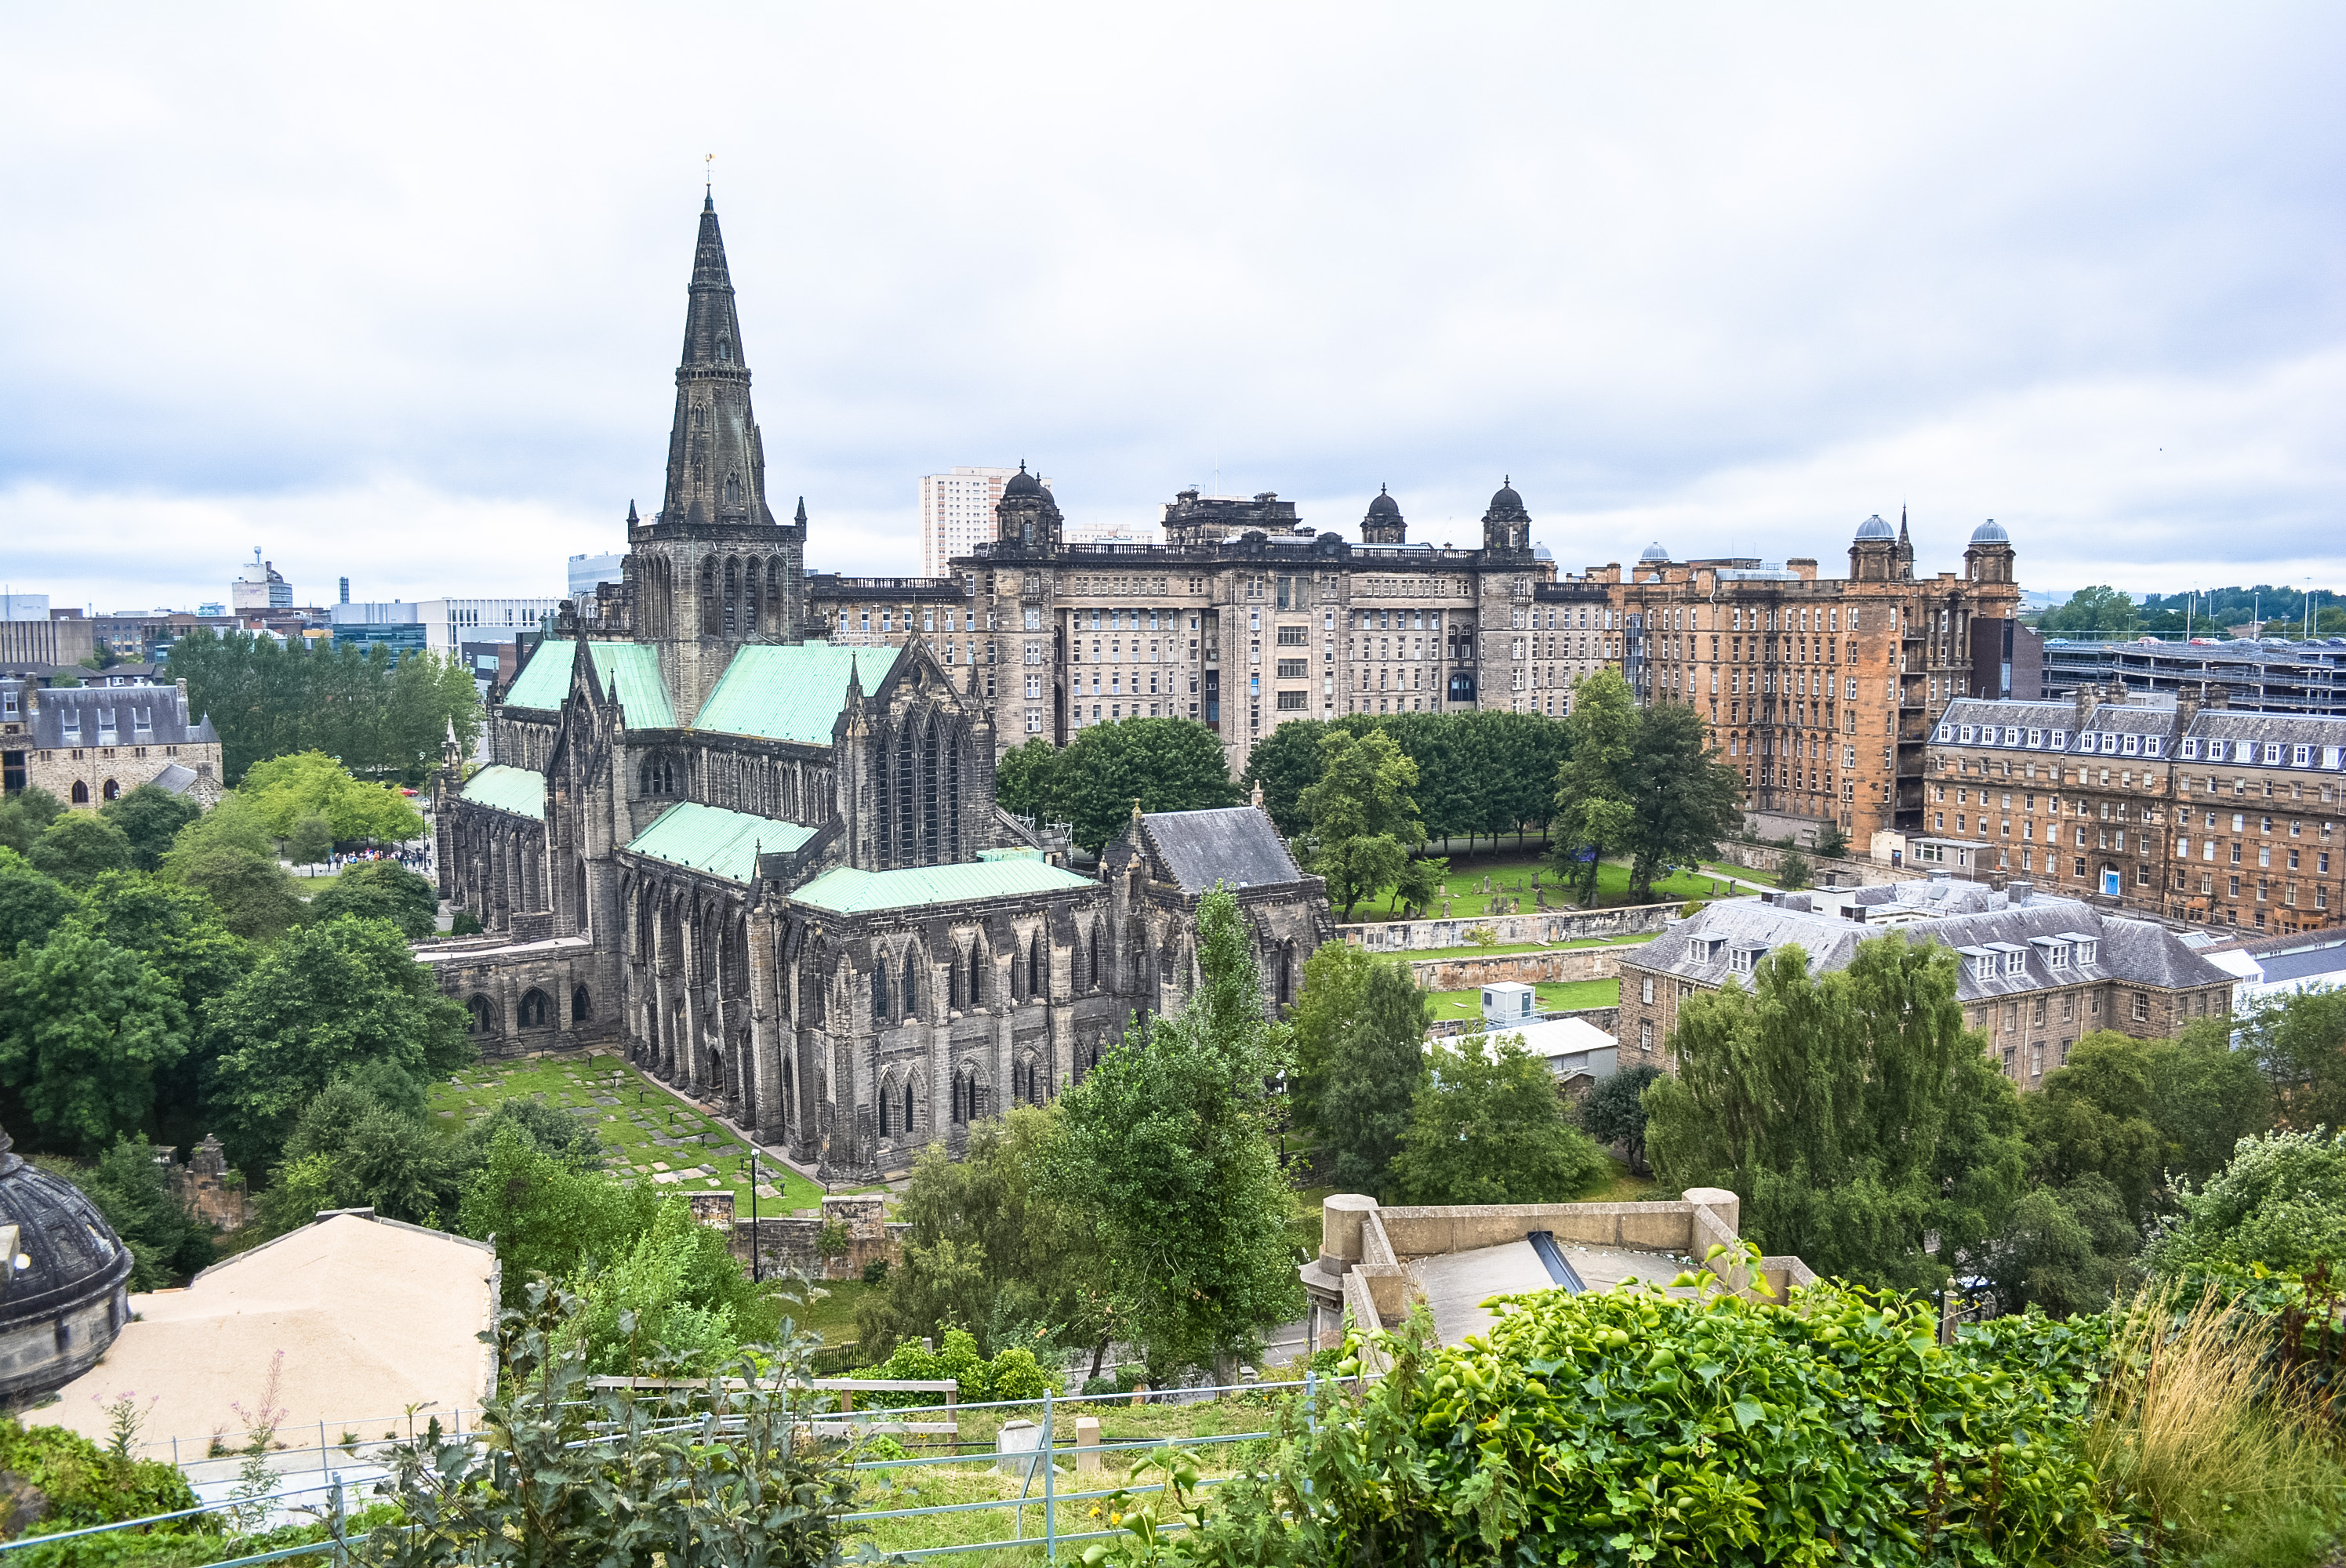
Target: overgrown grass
<point>1555,996</point>
<point>2193,1437</point>
<point>1510,878</point>
<point>630,1115</point>
<point>1502,950</point>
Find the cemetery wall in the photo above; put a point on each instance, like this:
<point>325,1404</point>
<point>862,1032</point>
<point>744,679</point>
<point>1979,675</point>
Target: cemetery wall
<point>1568,963</point>
<point>1543,925</point>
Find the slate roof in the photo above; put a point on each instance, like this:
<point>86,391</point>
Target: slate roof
<point>109,715</point>
<point>1234,844</point>
<point>712,839</point>
<point>174,779</point>
<point>846,890</point>
<point>2135,951</point>
<point>792,693</point>
<point>2054,727</point>
<point>518,790</point>
<point>629,670</point>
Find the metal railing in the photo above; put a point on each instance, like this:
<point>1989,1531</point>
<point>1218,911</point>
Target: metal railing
<point>255,1514</point>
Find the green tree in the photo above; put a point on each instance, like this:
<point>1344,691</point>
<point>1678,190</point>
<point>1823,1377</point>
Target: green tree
<point>1833,843</point>
<point>2064,1250</point>
<point>1686,799</point>
<point>1285,763</point>
<point>85,1027</point>
<point>312,839</point>
<point>1615,1112</point>
<point>1488,1125</point>
<point>78,847</point>
<point>1595,815</point>
<point>1025,781</point>
<point>2301,1039</point>
<point>550,1218</point>
<point>1364,826</point>
<point>151,817</point>
<point>1327,1010</point>
<point>1792,870</point>
<point>166,1243</point>
<point>1164,1159</point>
<point>384,714</point>
<point>383,1156</point>
<point>325,1001</point>
<point>284,789</point>
<point>1165,764</point>
<point>32,904</point>
<point>2279,1205</point>
<point>990,1249</point>
<point>24,815</point>
<point>382,890</point>
<point>2206,1096</point>
<point>180,933</point>
<point>226,855</point>
<point>1824,1104</point>
<point>2102,611</point>
<point>1373,1077</point>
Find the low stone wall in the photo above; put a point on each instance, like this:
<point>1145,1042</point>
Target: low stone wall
<point>792,1243</point>
<point>1530,968</point>
<point>1655,1226</point>
<point>1508,930</point>
<point>1847,871</point>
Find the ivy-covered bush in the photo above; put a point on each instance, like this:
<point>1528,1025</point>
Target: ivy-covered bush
<point>58,1479</point>
<point>1627,1427</point>
<point>1013,1374</point>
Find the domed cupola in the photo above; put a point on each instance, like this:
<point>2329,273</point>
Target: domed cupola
<point>1027,515</point>
<point>1988,557</point>
<point>62,1299</point>
<point>1507,526</point>
<point>1383,524</point>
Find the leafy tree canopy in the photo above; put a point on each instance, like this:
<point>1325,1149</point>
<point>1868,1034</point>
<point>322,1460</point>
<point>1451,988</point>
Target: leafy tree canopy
<point>2280,1204</point>
<point>1615,1112</point>
<point>151,817</point>
<point>85,1028</point>
<point>384,713</point>
<point>1852,1112</point>
<point>1365,825</point>
<point>326,1001</point>
<point>1488,1125</point>
<point>284,789</point>
<point>382,889</point>
<point>1164,1156</point>
<point>24,815</point>
<point>1327,1010</point>
<point>32,904</point>
<point>226,855</point>
<point>1595,811</point>
<point>2301,1039</point>
<point>1684,798</point>
<point>1025,781</point>
<point>2135,1113</point>
<point>2101,610</point>
<point>79,846</point>
<point>1165,764</point>
<point>1374,1074</point>
<point>2064,1250</point>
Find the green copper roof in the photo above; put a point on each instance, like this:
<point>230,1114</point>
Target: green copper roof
<point>792,693</point>
<point>711,838</point>
<point>631,669</point>
<point>545,680</point>
<point>515,790</point>
<point>846,890</point>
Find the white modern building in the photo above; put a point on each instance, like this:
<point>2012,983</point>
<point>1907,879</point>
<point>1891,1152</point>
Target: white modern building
<point>257,585</point>
<point>23,606</point>
<point>449,624</point>
<point>957,514</point>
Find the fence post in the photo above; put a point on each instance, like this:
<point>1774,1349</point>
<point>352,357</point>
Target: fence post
<point>342,1549</point>
<point>322,1448</point>
<point>1050,1477</point>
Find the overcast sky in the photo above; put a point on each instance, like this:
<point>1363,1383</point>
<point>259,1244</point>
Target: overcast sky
<point>397,293</point>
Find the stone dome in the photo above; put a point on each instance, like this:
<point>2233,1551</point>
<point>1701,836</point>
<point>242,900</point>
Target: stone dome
<point>1875,527</point>
<point>1022,484</point>
<point>62,1299</point>
<point>1385,505</point>
<point>1505,499</point>
<point>1990,533</point>
<point>1655,551</point>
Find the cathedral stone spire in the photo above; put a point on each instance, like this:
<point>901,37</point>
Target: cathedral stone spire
<point>715,462</point>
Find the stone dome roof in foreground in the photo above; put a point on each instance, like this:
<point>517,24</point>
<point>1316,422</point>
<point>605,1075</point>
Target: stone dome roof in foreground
<point>61,1284</point>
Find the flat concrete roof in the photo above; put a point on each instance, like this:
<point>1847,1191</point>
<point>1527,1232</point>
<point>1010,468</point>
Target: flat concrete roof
<point>1457,1284</point>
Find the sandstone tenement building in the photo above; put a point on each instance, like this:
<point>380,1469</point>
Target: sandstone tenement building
<point>2175,804</point>
<point>772,870</point>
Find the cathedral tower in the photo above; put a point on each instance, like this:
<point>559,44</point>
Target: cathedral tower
<point>713,568</point>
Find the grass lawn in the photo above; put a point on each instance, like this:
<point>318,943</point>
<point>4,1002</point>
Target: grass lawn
<point>1512,877</point>
<point>1764,879</point>
<point>647,1133</point>
<point>1623,1187</point>
<point>1500,950</point>
<point>1555,996</point>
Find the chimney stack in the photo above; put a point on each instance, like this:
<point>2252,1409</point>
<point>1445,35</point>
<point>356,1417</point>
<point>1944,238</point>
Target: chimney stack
<point>2018,892</point>
<point>2089,697</point>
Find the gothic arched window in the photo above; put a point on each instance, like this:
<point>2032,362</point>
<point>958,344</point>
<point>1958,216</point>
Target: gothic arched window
<point>582,1010</point>
<point>911,999</point>
<point>1036,975</point>
<point>976,974</point>
<point>880,1014</point>
<point>534,1010</point>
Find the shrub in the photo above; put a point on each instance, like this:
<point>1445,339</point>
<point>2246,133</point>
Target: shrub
<point>1015,1374</point>
<point>876,1272</point>
<point>2280,1204</point>
<point>78,1483</point>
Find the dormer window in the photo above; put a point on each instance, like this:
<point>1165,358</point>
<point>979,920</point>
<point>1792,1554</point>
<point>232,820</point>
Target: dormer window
<point>2131,746</point>
<point>2190,748</point>
<point>1743,955</point>
<point>2151,744</point>
<point>2060,740</point>
<point>1947,732</point>
<point>2054,950</point>
<point>2036,739</point>
<point>142,718</point>
<point>2016,960</point>
<point>1968,731</point>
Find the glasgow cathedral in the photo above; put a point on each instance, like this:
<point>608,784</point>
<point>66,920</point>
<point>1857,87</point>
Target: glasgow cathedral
<point>769,867</point>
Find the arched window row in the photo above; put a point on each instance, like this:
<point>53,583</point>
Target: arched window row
<point>972,1098</point>
<point>899,1107</point>
<point>744,596</point>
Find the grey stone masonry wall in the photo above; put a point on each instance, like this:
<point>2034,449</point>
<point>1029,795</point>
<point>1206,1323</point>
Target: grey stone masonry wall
<point>1530,968</point>
<point>1548,926</point>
